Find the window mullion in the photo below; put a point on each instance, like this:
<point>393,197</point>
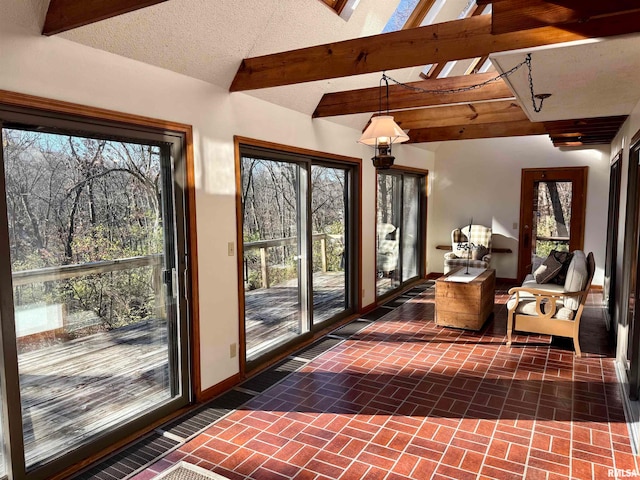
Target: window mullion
<point>12,433</point>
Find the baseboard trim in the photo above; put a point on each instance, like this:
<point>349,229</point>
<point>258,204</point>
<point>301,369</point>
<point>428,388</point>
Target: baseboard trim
<point>218,388</point>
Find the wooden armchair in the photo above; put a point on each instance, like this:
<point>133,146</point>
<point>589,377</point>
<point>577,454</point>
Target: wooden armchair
<point>551,309</point>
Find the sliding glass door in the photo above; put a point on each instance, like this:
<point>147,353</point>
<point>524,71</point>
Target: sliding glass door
<point>329,213</point>
<point>275,275</point>
<point>297,254</point>
<point>96,256</point>
<point>399,229</point>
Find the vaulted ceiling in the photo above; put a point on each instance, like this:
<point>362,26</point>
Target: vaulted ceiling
<point>302,55</point>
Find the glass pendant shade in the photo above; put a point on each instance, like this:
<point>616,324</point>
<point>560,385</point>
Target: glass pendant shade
<point>383,130</point>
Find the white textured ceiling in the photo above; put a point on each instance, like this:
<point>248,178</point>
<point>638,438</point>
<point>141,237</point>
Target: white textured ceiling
<point>207,39</point>
<point>586,79</point>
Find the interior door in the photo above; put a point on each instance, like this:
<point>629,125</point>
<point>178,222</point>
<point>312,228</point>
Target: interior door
<point>552,213</point>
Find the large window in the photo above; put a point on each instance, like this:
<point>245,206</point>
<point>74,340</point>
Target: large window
<point>298,255</point>
<point>399,229</point>
<point>96,252</point>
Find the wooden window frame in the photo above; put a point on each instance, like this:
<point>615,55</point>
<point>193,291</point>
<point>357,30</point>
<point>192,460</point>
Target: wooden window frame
<point>80,113</point>
<point>355,162</point>
<point>424,204</point>
<point>335,5</point>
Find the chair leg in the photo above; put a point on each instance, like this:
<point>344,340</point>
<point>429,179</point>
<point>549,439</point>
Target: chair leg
<point>576,345</point>
<point>509,328</point>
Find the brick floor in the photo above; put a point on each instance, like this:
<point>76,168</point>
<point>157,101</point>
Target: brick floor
<point>406,399</point>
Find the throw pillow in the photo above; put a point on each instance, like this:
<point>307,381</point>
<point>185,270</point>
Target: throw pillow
<point>478,252</point>
<point>565,259</point>
<point>537,261</point>
<point>549,269</point>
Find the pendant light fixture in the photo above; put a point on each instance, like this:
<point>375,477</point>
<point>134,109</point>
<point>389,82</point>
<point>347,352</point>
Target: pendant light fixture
<point>382,132</point>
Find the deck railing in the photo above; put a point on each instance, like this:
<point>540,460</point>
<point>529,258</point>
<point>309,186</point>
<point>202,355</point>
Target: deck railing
<point>262,245</point>
<point>546,243</point>
<point>63,272</point>
<point>66,272</point>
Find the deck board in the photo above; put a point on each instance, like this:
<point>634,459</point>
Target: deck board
<point>77,388</point>
<point>275,312</point>
<point>74,390</point>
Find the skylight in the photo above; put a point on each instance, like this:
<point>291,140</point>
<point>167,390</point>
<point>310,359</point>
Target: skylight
<point>400,16</point>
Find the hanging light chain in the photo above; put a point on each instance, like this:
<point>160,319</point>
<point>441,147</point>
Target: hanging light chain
<point>541,97</point>
<point>526,61</point>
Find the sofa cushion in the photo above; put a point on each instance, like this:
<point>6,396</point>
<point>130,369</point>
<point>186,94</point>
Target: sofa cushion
<point>549,269</point>
<point>527,306</point>
<point>530,282</point>
<point>577,276</point>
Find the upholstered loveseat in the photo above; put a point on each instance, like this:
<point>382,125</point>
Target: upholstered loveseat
<point>549,308</point>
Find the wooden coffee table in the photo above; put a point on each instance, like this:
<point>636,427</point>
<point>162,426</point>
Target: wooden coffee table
<point>465,304</point>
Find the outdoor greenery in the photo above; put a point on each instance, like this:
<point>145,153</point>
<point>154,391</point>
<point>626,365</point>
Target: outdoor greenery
<point>271,212</point>
<point>553,217</point>
<point>75,200</point>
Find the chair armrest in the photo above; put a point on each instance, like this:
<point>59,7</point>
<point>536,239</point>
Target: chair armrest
<point>487,258</point>
<point>538,291</point>
<point>541,297</point>
<point>450,256</point>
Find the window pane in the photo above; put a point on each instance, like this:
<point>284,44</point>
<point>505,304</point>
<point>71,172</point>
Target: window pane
<point>328,220</point>
<point>90,234</point>
<point>552,222</point>
<point>272,253</point>
<point>388,232</point>
<point>410,227</point>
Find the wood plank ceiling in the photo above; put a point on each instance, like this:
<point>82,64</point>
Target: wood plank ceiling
<point>489,111</point>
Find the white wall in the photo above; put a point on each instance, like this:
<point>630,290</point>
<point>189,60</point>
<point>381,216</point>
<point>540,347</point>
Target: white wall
<point>59,69</point>
<point>481,179</point>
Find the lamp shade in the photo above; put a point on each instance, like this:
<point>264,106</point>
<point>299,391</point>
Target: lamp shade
<point>383,130</point>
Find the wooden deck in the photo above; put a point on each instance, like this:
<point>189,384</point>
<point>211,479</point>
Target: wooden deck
<point>274,312</point>
<point>76,389</point>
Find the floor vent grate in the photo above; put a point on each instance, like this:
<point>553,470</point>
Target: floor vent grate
<point>130,459</point>
<point>273,375</point>
<point>318,348</point>
<point>350,328</point>
<point>376,314</point>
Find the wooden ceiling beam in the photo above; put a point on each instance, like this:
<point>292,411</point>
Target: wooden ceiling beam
<point>437,68</point>
<point>368,99</point>
<point>517,15</point>
<point>579,143</point>
<point>456,115</point>
<point>583,133</point>
<point>455,40</point>
<point>586,122</point>
<point>583,139</point>
<point>467,132</point>
<point>63,15</point>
